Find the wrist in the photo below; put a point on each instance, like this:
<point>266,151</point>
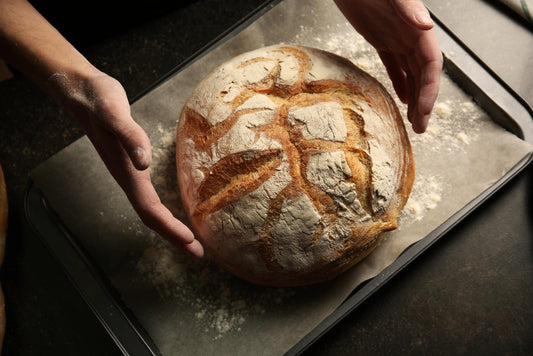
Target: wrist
<point>68,87</point>
<point>33,46</point>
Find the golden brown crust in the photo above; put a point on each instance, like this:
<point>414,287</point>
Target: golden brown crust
<point>292,162</point>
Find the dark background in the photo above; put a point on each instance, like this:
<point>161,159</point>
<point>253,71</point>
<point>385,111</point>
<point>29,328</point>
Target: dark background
<point>471,293</point>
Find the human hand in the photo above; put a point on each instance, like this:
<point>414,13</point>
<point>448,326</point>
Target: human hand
<point>401,32</point>
<point>100,104</point>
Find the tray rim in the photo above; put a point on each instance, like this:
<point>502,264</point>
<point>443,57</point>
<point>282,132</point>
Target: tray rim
<point>139,338</point>
<point>78,265</point>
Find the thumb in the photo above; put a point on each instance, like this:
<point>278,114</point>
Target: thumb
<point>114,113</point>
<point>115,117</point>
<point>136,143</point>
<point>414,13</point>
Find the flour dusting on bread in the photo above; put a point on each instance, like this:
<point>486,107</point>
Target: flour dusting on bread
<point>292,162</point>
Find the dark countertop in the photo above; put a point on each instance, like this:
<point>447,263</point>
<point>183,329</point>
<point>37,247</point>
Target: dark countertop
<point>471,293</point>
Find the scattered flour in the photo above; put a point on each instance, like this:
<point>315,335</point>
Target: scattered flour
<point>426,195</point>
<point>450,128</point>
<point>163,171</point>
<point>221,303</point>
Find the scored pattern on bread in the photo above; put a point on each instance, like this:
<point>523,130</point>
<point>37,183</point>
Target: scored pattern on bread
<point>291,162</point>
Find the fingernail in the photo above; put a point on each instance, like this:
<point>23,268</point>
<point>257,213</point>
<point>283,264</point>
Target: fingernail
<point>140,158</point>
<point>420,125</point>
<point>194,249</point>
<point>423,18</point>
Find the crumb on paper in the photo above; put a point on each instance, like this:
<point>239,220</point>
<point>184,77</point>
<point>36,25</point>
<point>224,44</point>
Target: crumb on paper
<point>463,138</point>
<point>442,110</point>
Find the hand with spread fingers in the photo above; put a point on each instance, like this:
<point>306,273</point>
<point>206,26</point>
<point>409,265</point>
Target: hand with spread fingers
<point>401,31</point>
<point>100,105</point>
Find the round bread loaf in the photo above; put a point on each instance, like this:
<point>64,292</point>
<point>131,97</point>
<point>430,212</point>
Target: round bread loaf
<point>291,163</point>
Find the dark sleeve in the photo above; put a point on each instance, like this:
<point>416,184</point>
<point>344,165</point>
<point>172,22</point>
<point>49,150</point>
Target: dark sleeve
<point>87,21</point>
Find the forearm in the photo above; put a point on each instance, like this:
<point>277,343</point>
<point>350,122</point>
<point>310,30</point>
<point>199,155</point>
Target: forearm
<point>31,44</point>
<point>98,102</point>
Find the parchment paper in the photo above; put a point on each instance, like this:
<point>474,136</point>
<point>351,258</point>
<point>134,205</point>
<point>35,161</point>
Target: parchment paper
<point>194,308</point>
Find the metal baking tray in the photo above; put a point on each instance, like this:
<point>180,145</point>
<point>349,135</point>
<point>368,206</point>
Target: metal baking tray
<point>471,74</point>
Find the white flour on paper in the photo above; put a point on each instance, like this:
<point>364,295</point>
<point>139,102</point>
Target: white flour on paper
<point>221,302</point>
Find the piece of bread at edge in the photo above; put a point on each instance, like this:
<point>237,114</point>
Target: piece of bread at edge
<point>292,162</point>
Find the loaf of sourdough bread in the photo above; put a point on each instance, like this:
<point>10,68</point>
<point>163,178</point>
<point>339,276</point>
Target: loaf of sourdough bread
<point>292,162</point>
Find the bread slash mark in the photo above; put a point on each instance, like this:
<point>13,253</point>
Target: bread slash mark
<point>235,176</point>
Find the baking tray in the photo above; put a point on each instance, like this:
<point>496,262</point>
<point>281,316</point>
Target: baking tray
<point>463,66</point>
